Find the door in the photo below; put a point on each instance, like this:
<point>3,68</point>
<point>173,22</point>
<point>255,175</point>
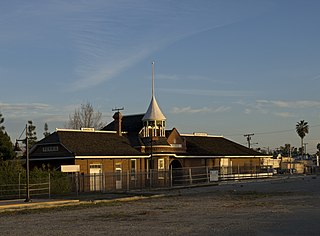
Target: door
<point>118,176</point>
<point>95,177</point>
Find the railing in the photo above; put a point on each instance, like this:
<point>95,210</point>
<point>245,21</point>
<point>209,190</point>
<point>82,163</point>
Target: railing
<point>37,187</point>
<point>122,181</point>
<point>153,179</point>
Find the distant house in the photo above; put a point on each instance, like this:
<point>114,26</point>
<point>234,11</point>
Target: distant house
<point>140,143</point>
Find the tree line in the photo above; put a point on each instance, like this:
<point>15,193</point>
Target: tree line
<point>83,117</point>
<point>11,168</point>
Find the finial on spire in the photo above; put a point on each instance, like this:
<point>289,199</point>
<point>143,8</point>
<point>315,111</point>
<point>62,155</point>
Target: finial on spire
<point>153,79</point>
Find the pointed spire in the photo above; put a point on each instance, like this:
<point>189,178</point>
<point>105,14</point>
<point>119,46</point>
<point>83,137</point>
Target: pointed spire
<point>153,112</point>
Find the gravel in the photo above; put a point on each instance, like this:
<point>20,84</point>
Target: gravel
<point>286,206</point>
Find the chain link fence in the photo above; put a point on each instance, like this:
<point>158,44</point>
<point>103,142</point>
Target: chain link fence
<point>121,181</point>
<point>155,179</point>
<point>37,187</point>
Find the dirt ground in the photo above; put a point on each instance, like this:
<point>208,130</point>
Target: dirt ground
<point>287,206</point>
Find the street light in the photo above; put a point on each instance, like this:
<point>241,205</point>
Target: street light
<point>28,199</point>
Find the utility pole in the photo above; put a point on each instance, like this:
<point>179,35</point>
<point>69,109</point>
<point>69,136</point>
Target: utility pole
<point>305,149</point>
<point>28,199</point>
<point>248,136</point>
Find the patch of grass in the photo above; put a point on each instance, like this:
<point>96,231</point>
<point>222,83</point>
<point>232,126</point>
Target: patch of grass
<point>57,208</point>
<point>253,195</point>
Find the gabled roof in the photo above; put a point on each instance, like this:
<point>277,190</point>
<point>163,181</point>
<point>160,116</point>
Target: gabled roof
<point>91,143</point>
<point>216,146</point>
<point>154,112</point>
<point>130,123</point>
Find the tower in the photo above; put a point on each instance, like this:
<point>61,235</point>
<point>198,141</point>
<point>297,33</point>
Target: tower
<point>153,121</point>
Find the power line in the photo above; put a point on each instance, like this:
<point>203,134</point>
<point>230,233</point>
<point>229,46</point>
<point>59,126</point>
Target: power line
<point>271,132</point>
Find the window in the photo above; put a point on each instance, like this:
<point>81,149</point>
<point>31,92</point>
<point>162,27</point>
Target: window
<point>118,165</point>
<point>50,149</point>
<point>95,166</point>
<point>161,168</point>
<point>161,164</point>
<point>133,169</point>
<point>176,145</point>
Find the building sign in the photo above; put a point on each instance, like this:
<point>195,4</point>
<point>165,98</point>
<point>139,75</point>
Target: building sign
<point>70,168</point>
<point>214,175</point>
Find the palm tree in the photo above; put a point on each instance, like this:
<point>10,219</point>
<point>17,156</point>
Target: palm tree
<point>302,129</point>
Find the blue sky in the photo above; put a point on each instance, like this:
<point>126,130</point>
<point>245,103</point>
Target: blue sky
<point>222,67</point>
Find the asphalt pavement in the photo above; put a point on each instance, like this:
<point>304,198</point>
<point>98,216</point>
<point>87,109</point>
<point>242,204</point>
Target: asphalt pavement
<point>252,184</point>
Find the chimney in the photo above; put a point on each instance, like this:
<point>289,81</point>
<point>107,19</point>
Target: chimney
<point>117,122</point>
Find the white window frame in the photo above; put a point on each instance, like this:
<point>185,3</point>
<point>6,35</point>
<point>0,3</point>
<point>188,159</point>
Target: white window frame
<point>161,168</point>
<point>50,149</point>
<point>133,171</point>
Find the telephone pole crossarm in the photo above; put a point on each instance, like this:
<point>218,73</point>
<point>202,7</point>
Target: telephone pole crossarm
<point>248,136</point>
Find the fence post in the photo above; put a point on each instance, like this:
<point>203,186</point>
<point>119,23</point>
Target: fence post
<point>19,184</point>
<point>49,186</point>
<point>104,181</point>
<point>150,178</point>
<point>77,182</point>
<point>128,181</point>
<point>190,176</point>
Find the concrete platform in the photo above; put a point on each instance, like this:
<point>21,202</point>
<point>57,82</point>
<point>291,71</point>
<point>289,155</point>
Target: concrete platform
<point>20,204</point>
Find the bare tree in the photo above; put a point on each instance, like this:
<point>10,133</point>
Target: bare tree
<point>85,117</point>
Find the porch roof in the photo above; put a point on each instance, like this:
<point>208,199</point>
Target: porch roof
<point>216,146</point>
<point>91,143</point>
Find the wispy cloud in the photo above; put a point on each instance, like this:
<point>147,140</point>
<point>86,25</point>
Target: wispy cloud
<point>30,111</point>
<point>117,35</point>
<point>279,108</point>
<point>214,93</point>
<point>23,107</point>
<point>190,110</point>
<point>316,77</point>
<point>176,77</point>
<point>105,38</point>
<point>284,114</point>
<point>289,104</point>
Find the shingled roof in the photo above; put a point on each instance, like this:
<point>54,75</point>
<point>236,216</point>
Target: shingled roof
<point>130,123</point>
<point>92,143</point>
<point>216,146</point>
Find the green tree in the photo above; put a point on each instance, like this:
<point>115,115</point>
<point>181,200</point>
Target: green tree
<point>302,129</point>
<point>9,172</point>
<point>31,133</point>
<point>6,147</point>
<point>1,122</point>
<point>46,132</point>
<point>318,147</point>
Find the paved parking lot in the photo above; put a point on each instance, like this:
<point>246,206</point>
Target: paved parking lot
<point>287,206</point>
